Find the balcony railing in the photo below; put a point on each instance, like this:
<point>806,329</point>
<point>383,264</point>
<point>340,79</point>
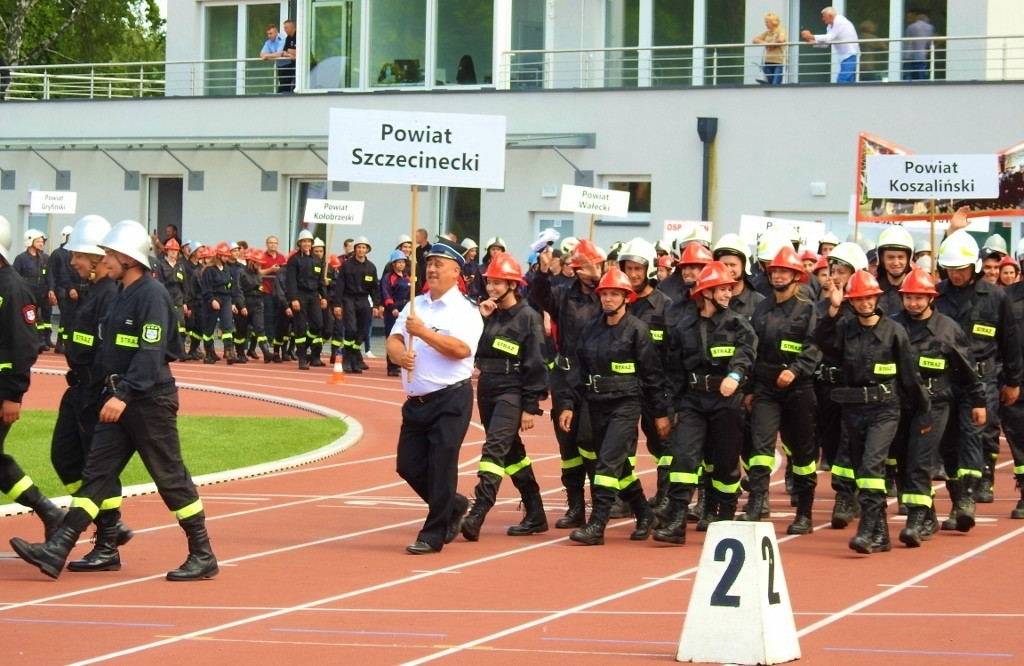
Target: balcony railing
<point>952,59</point>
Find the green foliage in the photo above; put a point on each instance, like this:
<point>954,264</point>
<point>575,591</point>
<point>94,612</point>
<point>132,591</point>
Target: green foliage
<point>43,32</point>
<point>208,444</point>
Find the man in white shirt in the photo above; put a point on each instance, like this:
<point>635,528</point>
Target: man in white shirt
<point>445,330</point>
<point>843,36</point>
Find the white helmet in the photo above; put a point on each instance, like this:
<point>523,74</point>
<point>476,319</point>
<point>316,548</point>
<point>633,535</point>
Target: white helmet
<point>925,262</point>
<point>851,254</point>
<point>994,244</point>
<point>640,251</point>
<point>923,246</point>
<point>5,239</point>
<point>828,239</point>
<point>896,238</point>
<point>402,240</point>
<point>31,235</point>
<point>769,244</point>
<point>317,242</point>
<point>497,240</point>
<point>696,232</point>
<point>469,244</point>
<point>362,240</point>
<point>569,244</point>
<point>65,232</point>
<point>734,245</point>
<point>305,234</point>
<point>87,235</point>
<point>129,238</point>
<point>866,243</point>
<point>959,250</point>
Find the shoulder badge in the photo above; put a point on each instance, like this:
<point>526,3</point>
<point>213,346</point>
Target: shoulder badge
<point>152,333</point>
<point>28,313</point>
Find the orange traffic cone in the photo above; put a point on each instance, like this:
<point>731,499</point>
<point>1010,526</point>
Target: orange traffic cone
<point>338,376</point>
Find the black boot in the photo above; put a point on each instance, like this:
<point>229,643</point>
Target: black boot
<point>576,514</point>
<point>592,534</point>
<point>303,361</point>
<point>201,562</point>
<point>534,520</point>
<point>844,510</point>
<point>267,356</point>
<point>726,508</point>
<point>474,520</point>
<point>710,513</point>
<point>965,505</point>
<point>754,509</point>
<point>210,354</point>
<point>804,504</point>
<point>953,488</point>
<point>890,481</point>
<point>104,555</point>
<point>984,488</point>
<point>880,542</point>
<point>642,510</point>
<point>240,356</point>
<point>50,556</point>
<point>620,509</point>
<point>1018,511</point>
<point>314,355</point>
<point>675,530</point>
<point>931,524</point>
<point>229,352</point>
<point>912,534</point>
<point>863,541</point>
<point>356,363</point>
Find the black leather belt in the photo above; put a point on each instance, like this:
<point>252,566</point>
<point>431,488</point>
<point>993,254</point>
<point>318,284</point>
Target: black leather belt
<point>500,366</point>
<point>936,383</point>
<point>706,383</point>
<point>563,363</point>
<point>862,395</point>
<point>427,397</point>
<point>986,367</point>
<point>76,376</point>
<point>828,374</point>
<point>599,384</point>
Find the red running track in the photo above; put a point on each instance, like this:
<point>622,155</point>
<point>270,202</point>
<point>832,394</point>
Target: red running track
<point>313,570</point>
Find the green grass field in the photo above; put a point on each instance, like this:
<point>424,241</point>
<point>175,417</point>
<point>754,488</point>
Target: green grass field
<point>208,444</point>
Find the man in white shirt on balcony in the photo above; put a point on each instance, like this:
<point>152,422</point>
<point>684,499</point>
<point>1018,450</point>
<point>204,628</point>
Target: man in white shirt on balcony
<point>843,36</point>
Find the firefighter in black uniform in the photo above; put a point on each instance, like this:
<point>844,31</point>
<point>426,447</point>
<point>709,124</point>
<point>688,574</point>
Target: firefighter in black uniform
<point>193,306</point>
<point>618,369</point>
<point>235,263</point>
<point>218,289</point>
<point>305,283</point>
<point>250,283</point>
<point>895,251</point>
<point>1012,416</point>
<point>19,345</point>
<point>712,352</point>
<point>637,261</point>
<point>62,281</point>
<point>79,410</point>
<point>512,383</point>
<point>878,373</point>
<point>173,274</point>
<point>944,359</point>
<point>357,287</point>
<point>984,313</point>
<point>139,413</point>
<point>783,400</point>
<point>32,265</point>
<point>734,253</point>
<point>571,308</point>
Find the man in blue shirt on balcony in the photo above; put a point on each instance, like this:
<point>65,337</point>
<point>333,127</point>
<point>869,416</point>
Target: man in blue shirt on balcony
<point>274,49</point>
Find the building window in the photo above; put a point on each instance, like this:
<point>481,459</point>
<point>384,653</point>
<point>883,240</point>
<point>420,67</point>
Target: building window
<point>301,192</point>
<point>639,188</point>
<point>460,212</point>
<point>465,42</point>
<point>398,41</point>
<point>234,32</point>
<point>334,45</point>
<point>527,70</point>
<point>725,25</point>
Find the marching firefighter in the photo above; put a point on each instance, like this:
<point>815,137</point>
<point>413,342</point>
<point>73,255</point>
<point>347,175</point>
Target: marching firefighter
<point>139,412</point>
<point>734,254</point>
<point>253,320</point>
<point>619,368</point>
<point>637,261</point>
<point>19,345</point>
<point>571,307</point>
<point>193,307</point>
<point>32,265</point>
<point>304,288</point>
<point>79,410</point>
<point>172,273</point>
<point>63,282</point>
<point>512,383</point>
<point>983,311</point>
<point>877,367</point>
<point>356,289</point>
<point>943,357</point>
<point>1012,416</point>
<point>713,352</point>
<point>218,289</point>
<point>783,400</point>
<point>895,249</point>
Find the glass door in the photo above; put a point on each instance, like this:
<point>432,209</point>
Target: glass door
<point>334,44</point>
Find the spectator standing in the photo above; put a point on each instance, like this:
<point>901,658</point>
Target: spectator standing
<point>917,54</point>
<point>273,49</point>
<point>774,55</point>
<point>286,71</point>
<point>843,35</point>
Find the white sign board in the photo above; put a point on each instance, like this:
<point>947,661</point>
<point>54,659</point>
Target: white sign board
<point>688,229</point>
<point>327,211</point>
<point>44,203</point>
<point>808,233</point>
<point>448,149</point>
<point>607,203</point>
<point>933,176</point>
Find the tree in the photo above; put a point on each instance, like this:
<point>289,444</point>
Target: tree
<point>43,32</point>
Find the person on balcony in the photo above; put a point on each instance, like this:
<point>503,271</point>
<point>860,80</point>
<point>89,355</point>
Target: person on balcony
<point>774,54</point>
<point>843,35</point>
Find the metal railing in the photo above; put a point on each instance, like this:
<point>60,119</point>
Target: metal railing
<point>952,59</point>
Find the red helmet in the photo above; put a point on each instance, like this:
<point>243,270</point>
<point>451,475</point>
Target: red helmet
<point>504,267</point>
<point>695,253</point>
<point>254,254</point>
<point>786,258</point>
<point>205,252</point>
<point>1009,261</point>
<point>223,249</point>
<point>714,274</point>
<point>822,264</point>
<point>172,244</point>
<point>918,281</point>
<point>586,250</point>
<point>666,261</point>
<point>808,255</point>
<point>861,285</point>
<point>616,279</point>
<point>334,261</point>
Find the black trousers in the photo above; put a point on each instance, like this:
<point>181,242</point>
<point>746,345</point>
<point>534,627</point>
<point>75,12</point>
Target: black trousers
<point>10,472</point>
<point>827,422</point>
<point>916,454</point>
<point>1013,427</point>
<point>614,428</point>
<point>356,320</point>
<point>575,448</point>
<point>963,443</point>
<point>788,413</point>
<point>709,429</point>
<point>503,451</point>
<point>868,430</point>
<point>77,418</point>
<point>428,453</point>
<point>149,427</point>
<point>308,322</point>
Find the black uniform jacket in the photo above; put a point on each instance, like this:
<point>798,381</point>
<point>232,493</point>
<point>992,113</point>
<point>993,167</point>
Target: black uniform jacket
<point>785,334</point>
<point>515,336</point>
<point>304,276</point>
<point>19,340</point>
<point>942,355</point>
<point>357,280</point>
<point>983,311</point>
<point>83,331</point>
<point>718,345</point>
<point>570,309</point>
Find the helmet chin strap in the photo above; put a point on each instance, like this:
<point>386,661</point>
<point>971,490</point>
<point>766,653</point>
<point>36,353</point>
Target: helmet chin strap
<point>612,313</point>
<point>718,306</point>
<point>918,315</point>
<point>862,315</point>
<point>783,287</point>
